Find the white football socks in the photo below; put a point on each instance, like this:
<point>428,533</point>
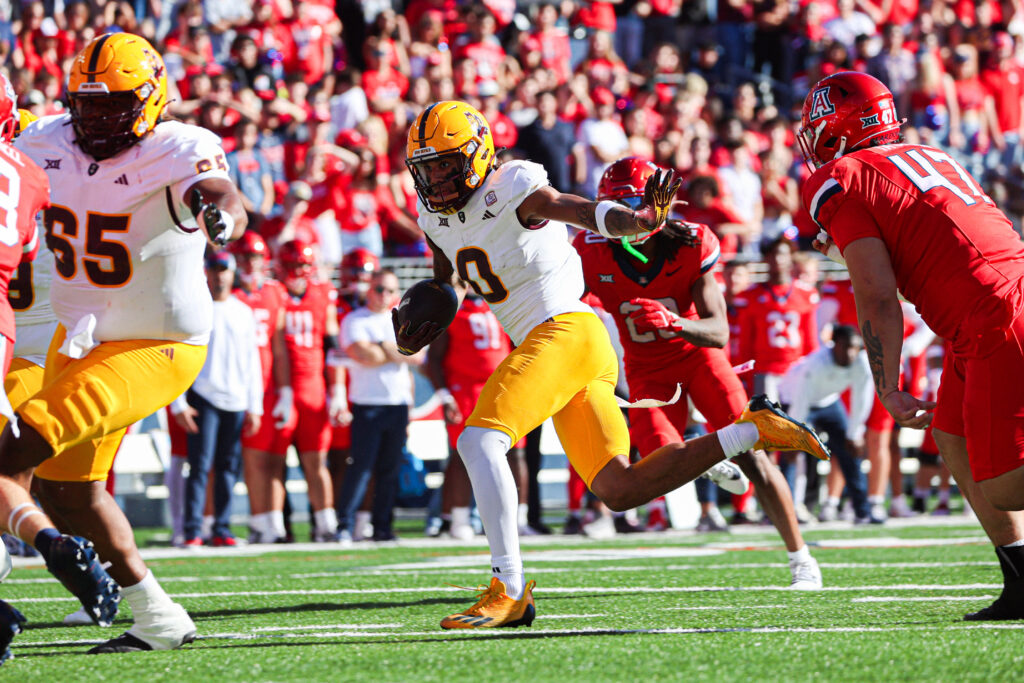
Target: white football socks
<point>802,555</point>
<point>277,524</point>
<point>326,521</point>
<point>483,452</point>
<point>737,438</point>
<point>146,595</point>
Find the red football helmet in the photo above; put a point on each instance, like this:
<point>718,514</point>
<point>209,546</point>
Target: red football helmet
<point>249,244</point>
<point>8,110</point>
<point>623,182</point>
<point>846,111</point>
<point>358,262</point>
<point>297,258</point>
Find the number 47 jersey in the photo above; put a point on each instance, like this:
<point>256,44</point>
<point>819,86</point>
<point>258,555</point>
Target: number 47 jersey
<point>127,249</point>
<point>955,255</point>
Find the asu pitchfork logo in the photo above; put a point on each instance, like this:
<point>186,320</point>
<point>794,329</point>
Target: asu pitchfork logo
<point>821,105</point>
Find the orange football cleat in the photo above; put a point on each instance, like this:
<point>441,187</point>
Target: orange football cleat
<point>495,608</point>
<point>778,431</point>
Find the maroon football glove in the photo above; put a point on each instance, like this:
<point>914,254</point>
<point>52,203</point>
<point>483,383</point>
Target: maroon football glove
<point>409,342</point>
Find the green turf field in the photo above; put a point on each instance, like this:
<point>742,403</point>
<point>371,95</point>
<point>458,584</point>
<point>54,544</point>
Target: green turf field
<point>657,606</point>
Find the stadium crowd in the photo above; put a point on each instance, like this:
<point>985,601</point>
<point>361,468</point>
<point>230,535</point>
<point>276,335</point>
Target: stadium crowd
<point>313,101</point>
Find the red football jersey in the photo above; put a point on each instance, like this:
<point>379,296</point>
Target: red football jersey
<point>25,191</point>
<point>615,278</point>
<point>266,304</point>
<point>305,323</point>
<point>954,254</point>
<point>476,345</point>
<point>777,325</point>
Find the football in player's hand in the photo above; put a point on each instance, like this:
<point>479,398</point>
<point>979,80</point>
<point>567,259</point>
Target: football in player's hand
<point>426,309</point>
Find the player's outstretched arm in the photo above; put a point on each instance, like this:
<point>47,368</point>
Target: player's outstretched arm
<point>606,218</point>
<point>217,206</point>
<point>881,324</point>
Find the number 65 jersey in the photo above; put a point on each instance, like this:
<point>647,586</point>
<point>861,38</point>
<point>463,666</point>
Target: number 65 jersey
<point>526,274</point>
<point>955,255</point>
<point>126,248</point>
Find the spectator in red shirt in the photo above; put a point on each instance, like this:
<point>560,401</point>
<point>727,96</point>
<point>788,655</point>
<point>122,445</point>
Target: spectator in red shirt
<point>602,66</point>
<point>481,45</point>
<point>503,131</point>
<point>292,223</point>
<point>547,46</point>
<point>1003,77</point>
<point>314,53</point>
<point>706,206</point>
<point>385,87</point>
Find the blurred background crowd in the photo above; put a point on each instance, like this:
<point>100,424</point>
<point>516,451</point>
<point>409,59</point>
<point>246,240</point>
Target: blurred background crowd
<point>313,99</point>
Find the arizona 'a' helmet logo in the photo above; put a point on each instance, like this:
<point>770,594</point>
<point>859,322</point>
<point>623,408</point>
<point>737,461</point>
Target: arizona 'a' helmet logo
<point>821,105</point>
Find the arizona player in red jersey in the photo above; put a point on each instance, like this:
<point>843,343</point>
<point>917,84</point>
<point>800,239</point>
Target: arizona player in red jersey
<point>671,318</point>
<point>777,321</point>
<point>28,192</point>
<point>908,219</point>
<point>356,270</point>
<point>310,330</point>
<point>266,297</point>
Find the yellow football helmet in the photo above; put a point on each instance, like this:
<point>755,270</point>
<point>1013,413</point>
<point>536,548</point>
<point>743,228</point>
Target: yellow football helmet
<point>25,117</point>
<point>117,90</point>
<point>450,152</point>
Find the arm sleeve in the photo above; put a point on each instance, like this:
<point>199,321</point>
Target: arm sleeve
<point>197,157</point>
<point>852,221</point>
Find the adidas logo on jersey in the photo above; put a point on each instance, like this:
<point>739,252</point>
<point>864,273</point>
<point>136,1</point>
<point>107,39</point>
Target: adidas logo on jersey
<point>122,180</point>
<point>487,214</point>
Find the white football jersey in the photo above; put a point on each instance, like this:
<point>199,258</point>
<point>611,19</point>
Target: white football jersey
<point>126,248</point>
<point>33,315</point>
<point>526,274</point>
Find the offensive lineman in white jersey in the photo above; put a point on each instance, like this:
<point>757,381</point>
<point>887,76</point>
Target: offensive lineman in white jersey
<point>502,230</point>
<point>132,304</point>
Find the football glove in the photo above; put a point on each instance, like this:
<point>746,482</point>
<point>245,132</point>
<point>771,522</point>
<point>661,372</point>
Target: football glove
<point>659,195</point>
<point>411,341</point>
<point>219,224</point>
<point>652,316</point>
<point>282,412</point>
<point>687,233</point>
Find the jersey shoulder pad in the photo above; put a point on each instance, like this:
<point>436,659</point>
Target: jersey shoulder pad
<point>823,192</point>
<point>710,247</point>
<point>188,153</point>
<point>512,182</point>
<point>45,136</point>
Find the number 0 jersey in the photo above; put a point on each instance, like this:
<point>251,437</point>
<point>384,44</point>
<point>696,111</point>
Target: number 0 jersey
<point>954,254</point>
<point>526,274</point>
<point>127,250</point>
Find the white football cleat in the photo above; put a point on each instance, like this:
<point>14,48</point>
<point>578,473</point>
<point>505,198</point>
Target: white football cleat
<point>78,618</point>
<point>806,575</point>
<point>463,532</point>
<point>601,528</point>
<point>165,628</point>
<point>729,476</point>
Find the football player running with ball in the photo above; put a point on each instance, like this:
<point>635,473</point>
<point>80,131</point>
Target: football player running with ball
<point>660,288</point>
<point>502,230</point>
<point>909,220</point>
<point>133,308</point>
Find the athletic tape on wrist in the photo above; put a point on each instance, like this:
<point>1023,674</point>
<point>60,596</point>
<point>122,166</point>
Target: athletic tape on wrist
<point>599,215</point>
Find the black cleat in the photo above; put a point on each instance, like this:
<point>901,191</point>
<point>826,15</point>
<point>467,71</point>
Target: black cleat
<point>125,642</point>
<point>75,564</point>
<point>624,526</point>
<point>573,526</point>
<point>11,621</point>
<point>1000,610</point>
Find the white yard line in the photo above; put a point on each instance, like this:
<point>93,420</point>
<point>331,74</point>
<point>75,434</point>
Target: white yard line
<point>557,590</point>
<point>533,632</point>
<point>925,598</point>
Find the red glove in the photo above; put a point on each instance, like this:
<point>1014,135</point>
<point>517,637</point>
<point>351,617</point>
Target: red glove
<point>652,316</point>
